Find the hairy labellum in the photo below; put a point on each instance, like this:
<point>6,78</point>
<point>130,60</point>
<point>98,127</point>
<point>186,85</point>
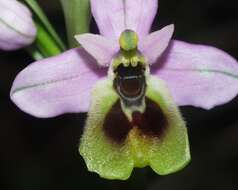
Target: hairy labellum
<point>116,139</point>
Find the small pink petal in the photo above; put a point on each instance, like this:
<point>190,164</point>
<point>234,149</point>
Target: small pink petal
<point>155,43</point>
<point>100,47</point>
<point>17,28</point>
<point>198,75</point>
<point>114,16</point>
<point>57,85</point>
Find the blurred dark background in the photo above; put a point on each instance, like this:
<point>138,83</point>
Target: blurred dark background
<point>43,153</point>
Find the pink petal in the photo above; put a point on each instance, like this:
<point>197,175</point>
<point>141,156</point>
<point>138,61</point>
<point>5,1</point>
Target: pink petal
<point>56,85</point>
<point>114,16</point>
<point>199,75</point>
<point>155,43</point>
<point>140,15</point>
<point>101,48</point>
<point>17,28</point>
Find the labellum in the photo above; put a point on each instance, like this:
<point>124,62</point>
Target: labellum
<point>133,121</point>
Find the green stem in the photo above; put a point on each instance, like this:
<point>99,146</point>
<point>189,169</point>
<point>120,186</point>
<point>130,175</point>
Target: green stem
<point>77,18</point>
<point>45,22</point>
<point>44,42</point>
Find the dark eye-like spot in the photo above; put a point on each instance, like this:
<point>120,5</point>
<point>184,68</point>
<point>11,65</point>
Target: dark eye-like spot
<point>153,121</point>
<point>116,125</point>
<point>130,84</point>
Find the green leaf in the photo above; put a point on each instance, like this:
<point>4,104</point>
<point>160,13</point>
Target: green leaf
<point>77,18</point>
<point>112,160</point>
<point>45,22</point>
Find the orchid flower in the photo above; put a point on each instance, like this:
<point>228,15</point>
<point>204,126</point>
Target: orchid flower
<point>17,28</point>
<point>131,83</point>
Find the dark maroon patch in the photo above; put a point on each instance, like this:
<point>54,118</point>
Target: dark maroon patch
<point>116,125</point>
<point>153,121</point>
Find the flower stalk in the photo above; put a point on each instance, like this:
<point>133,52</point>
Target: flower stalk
<point>40,15</point>
<point>45,43</point>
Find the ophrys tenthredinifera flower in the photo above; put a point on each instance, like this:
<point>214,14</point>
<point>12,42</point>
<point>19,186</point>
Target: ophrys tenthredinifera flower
<point>130,82</point>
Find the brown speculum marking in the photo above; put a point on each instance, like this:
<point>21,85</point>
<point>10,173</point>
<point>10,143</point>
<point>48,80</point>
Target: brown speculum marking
<point>151,123</point>
<point>116,125</point>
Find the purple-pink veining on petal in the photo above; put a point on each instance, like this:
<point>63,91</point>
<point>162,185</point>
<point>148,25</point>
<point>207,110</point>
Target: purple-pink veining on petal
<point>198,75</point>
<point>113,17</point>
<point>17,28</point>
<point>57,85</point>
